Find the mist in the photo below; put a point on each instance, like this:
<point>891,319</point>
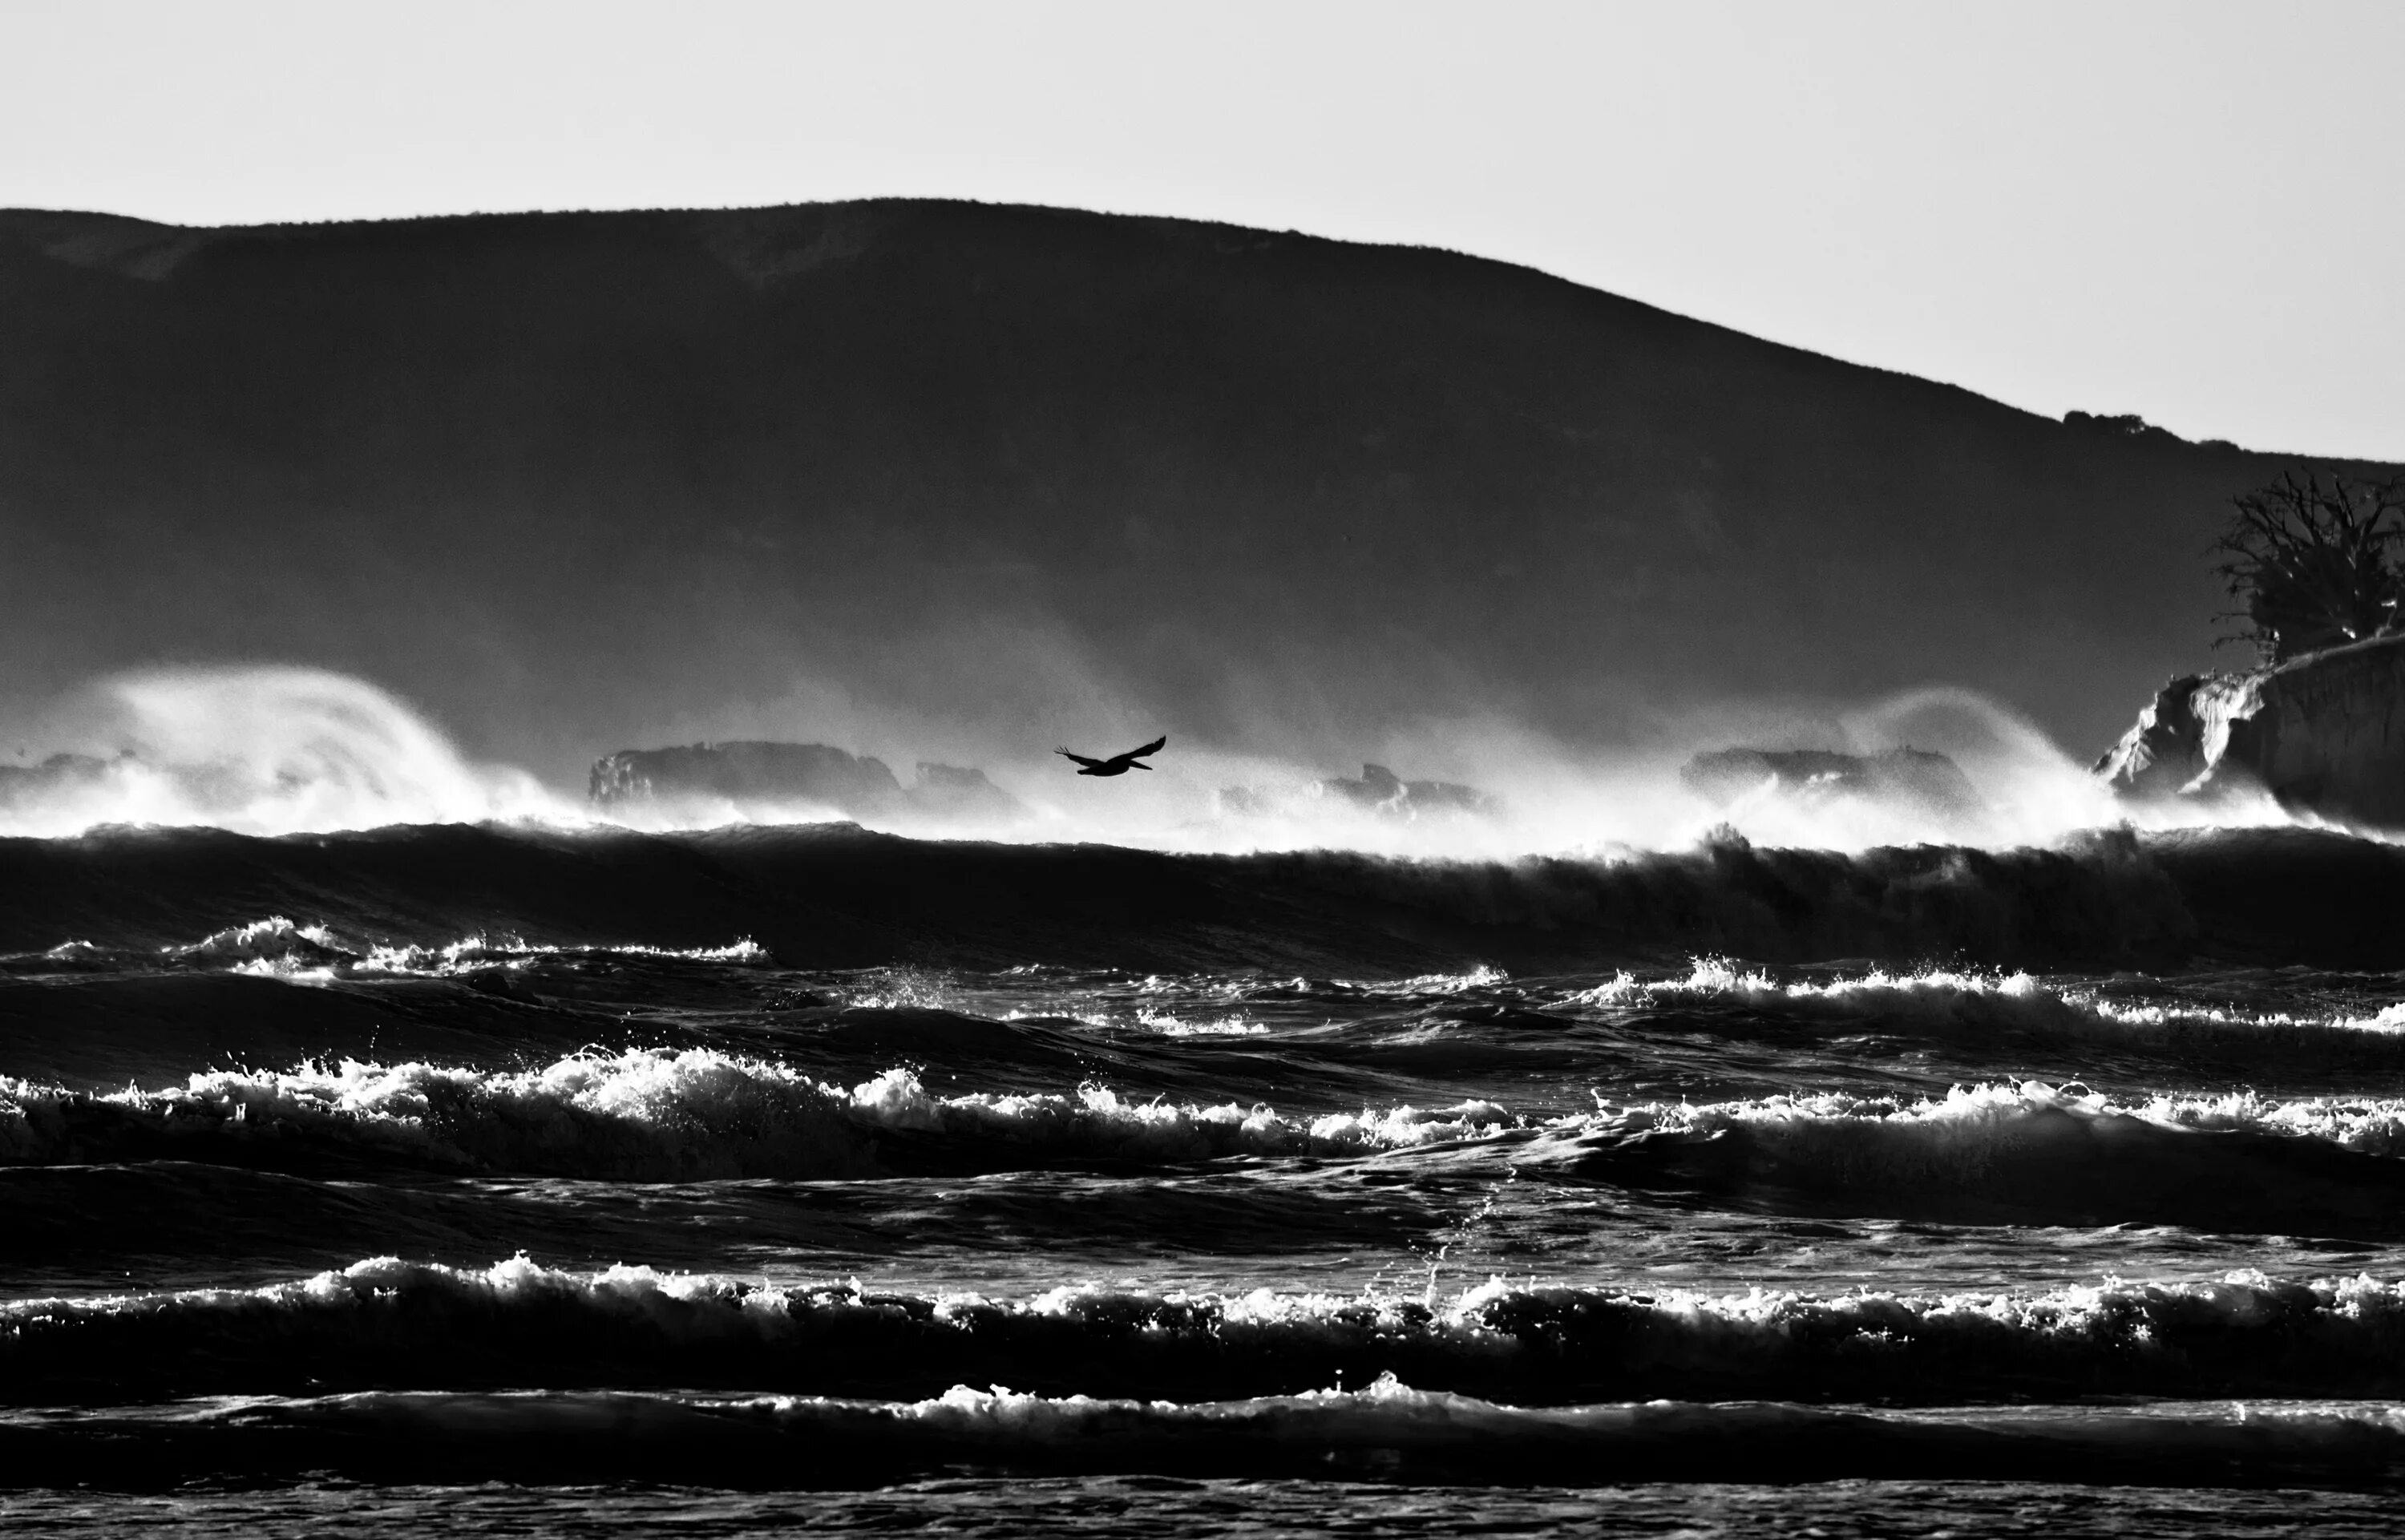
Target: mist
<point>280,750</point>
<point>254,750</point>
<point>1002,477</point>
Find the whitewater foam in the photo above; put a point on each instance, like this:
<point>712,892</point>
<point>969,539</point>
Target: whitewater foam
<point>270,751</point>
<point>1218,1027</point>
<point>1289,1446</point>
<point>655,1115</point>
<point>396,1322</point>
<point>1968,1125</point>
<point>279,948</point>
<point>478,954</point>
<point>2016,1153</point>
<point>1975,1002</point>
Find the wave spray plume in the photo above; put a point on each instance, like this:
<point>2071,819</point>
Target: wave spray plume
<point>266,750</point>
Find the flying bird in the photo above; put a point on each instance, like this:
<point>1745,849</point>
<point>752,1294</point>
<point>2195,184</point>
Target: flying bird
<point>1118,764</point>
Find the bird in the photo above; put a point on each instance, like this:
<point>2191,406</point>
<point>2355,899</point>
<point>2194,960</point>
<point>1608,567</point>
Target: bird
<point>1118,764</point>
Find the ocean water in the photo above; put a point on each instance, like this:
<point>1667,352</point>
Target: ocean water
<point>514,1179</point>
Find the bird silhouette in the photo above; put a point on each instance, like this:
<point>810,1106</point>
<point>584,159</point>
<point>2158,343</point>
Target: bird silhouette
<point>1118,764</point>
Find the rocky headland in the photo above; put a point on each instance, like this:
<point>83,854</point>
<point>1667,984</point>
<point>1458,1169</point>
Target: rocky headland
<point>2322,733</point>
<point>779,781</point>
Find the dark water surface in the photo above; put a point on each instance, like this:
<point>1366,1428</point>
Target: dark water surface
<point>462,1180</point>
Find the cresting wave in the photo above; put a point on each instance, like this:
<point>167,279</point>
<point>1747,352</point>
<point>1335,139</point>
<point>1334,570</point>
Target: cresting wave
<point>262,751</point>
<point>2236,1162</point>
<point>838,897</point>
<point>292,750</point>
<point>276,947</point>
<point>1960,1130</point>
<point>1992,1010</point>
<point>391,1324</point>
<point>1975,1002</point>
<point>650,1115</point>
<point>2018,1154</point>
<point>1985,1005</point>
<point>1387,1430</point>
<point>1942,994</point>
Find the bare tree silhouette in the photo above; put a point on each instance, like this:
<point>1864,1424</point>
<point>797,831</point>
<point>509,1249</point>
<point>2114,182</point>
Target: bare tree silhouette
<point>2314,565</point>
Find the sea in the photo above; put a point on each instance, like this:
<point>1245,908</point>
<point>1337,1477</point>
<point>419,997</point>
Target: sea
<point>515,1177</point>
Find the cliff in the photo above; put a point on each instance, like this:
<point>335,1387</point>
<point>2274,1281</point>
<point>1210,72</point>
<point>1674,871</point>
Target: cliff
<point>2324,733</point>
<point>774,782</point>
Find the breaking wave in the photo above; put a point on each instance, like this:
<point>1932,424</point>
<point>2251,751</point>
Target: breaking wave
<point>277,947</point>
<point>1996,1004</point>
<point>660,1116</point>
<point>1385,1432</point>
<point>838,897</point>
<point>2014,1152</point>
<point>2018,1151</point>
<point>1962,1130</point>
<point>263,750</point>
<point>394,1324</point>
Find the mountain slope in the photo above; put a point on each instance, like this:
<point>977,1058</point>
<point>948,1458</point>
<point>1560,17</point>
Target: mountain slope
<point>574,480</point>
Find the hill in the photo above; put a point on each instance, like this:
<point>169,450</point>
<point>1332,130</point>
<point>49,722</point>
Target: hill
<point>580,481</point>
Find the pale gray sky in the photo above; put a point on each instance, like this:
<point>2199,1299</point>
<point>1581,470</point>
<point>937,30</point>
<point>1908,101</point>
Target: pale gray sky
<point>2193,211</point>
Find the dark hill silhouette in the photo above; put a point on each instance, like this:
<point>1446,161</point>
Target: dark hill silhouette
<point>562,476</point>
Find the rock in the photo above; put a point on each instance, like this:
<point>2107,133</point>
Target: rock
<point>784,774</point>
<point>1918,777</point>
<point>2322,733</point>
<point>1384,791</point>
<point>780,779</point>
<point>21,785</point>
<point>1379,790</point>
<point>2165,750</point>
<point>952,792</point>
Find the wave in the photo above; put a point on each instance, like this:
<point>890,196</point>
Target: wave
<point>264,751</point>
<point>653,1115</point>
<point>276,944</point>
<point>836,896</point>
<point>476,953</point>
<point>277,948</point>
<point>1384,1432</point>
<point>2017,1153</point>
<point>387,1324</point>
<point>2012,1152</point>
<point>1970,1124</point>
<point>1995,1006</point>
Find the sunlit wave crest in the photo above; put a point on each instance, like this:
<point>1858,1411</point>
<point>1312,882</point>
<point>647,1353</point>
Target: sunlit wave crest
<point>267,751</point>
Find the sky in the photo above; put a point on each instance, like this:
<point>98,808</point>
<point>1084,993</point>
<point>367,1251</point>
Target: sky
<point>2192,211</point>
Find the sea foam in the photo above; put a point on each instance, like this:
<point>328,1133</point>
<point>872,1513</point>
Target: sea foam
<point>647,1114</point>
<point>1993,1005</point>
<point>270,751</point>
<point>1293,1442</point>
<point>395,1323</point>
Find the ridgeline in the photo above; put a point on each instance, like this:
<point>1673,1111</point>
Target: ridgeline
<point>563,477</point>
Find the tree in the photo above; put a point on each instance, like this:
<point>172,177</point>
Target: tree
<point>2314,565</point>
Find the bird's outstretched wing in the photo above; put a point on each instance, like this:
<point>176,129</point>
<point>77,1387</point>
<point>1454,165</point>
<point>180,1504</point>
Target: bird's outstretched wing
<point>1080,758</point>
<point>1153,747</point>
